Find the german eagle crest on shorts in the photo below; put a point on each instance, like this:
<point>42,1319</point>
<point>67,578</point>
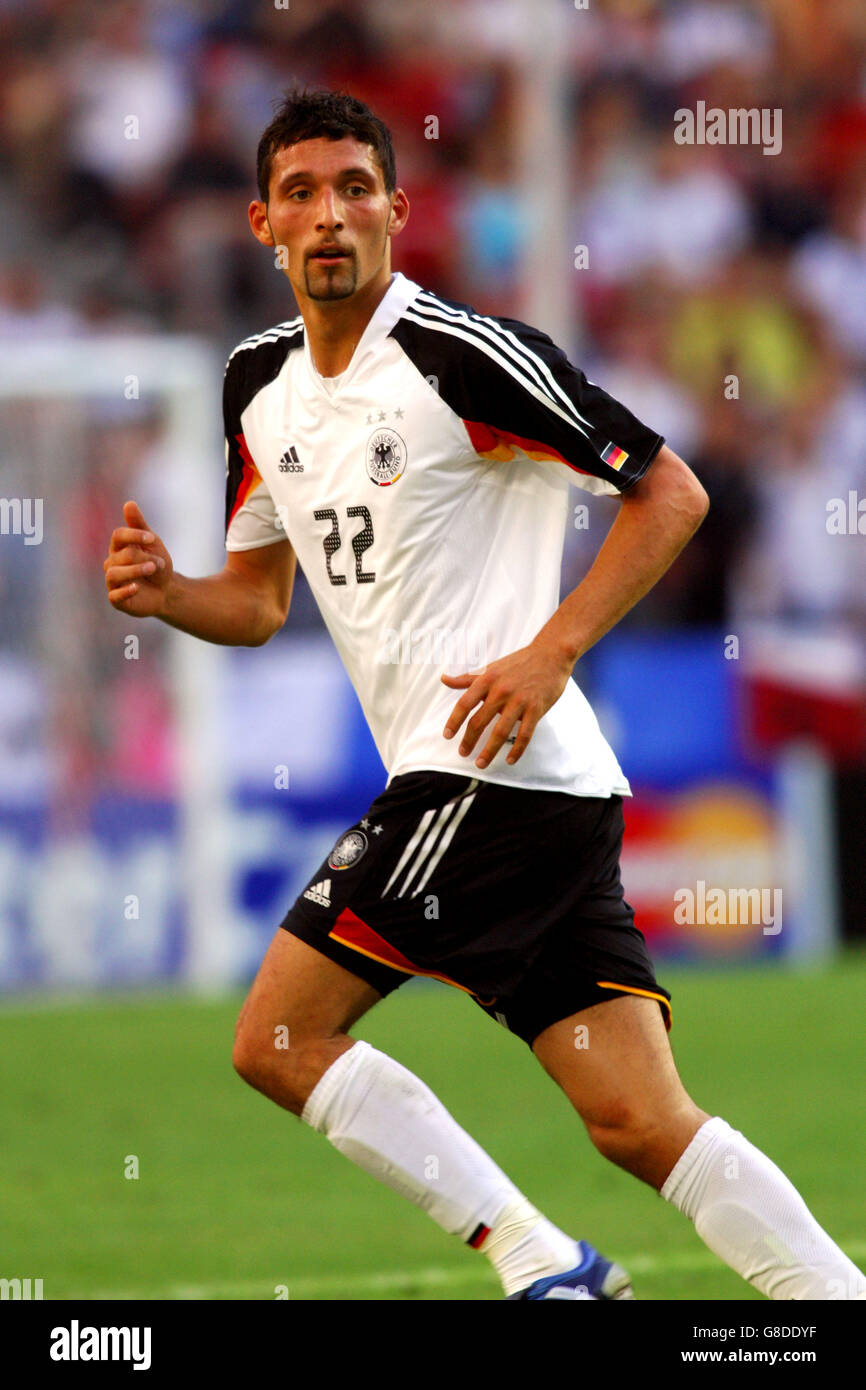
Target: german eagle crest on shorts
<point>348,850</point>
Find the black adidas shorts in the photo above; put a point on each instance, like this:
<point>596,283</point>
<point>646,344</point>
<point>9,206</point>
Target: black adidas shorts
<point>511,895</point>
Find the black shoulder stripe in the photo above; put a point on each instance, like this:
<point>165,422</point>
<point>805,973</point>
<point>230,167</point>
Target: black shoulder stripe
<point>526,348</point>
<point>509,382</point>
<point>253,365</point>
<point>257,361</point>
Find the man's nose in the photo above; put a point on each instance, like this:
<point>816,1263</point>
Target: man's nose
<point>329,211</point>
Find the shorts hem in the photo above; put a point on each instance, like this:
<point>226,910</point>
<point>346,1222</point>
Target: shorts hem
<point>528,1022</point>
<point>647,993</point>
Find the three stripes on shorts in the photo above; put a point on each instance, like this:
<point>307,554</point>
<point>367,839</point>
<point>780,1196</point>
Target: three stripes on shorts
<point>429,842</point>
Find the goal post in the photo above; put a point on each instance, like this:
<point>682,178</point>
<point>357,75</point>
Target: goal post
<point>123,767</point>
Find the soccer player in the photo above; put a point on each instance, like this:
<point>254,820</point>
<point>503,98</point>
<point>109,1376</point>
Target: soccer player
<point>415,457</point>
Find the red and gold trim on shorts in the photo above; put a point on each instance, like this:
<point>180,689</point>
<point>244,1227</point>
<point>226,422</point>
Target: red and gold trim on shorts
<point>351,931</point>
<point>647,994</point>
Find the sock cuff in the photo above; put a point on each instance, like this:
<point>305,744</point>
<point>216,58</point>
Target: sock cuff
<point>339,1074</point>
<point>513,1212</point>
<point>701,1140</point>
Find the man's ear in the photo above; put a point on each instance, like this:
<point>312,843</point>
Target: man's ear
<point>399,211</point>
<point>258,215</point>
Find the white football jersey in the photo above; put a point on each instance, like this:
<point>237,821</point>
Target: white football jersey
<point>425,492</point>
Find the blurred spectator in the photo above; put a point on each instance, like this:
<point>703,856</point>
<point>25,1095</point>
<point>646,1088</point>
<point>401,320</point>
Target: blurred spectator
<point>799,568</point>
<point>700,34</point>
<point>741,334</point>
<point>684,213</point>
<point>828,271</point>
<point>131,105</point>
<point>27,309</point>
<point>635,369</point>
<point>698,587</point>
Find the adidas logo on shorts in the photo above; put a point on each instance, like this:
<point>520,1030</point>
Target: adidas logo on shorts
<point>320,893</point>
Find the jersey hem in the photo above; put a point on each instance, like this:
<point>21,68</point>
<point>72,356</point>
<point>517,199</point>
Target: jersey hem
<point>619,789</point>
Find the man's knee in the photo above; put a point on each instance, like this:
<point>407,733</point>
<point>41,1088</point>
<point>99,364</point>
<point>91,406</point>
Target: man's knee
<point>645,1144</point>
<point>616,1128</point>
<point>256,1050</point>
<point>284,1068</point>
<point>622,1137</point>
<point>249,1058</point>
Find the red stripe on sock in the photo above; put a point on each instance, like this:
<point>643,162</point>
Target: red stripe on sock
<point>478,1237</point>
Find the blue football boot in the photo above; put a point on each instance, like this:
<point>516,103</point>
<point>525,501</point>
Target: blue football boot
<point>593,1278</point>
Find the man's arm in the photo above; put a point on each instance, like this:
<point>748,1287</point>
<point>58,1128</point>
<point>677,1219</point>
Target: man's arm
<point>657,516</point>
<point>242,606</point>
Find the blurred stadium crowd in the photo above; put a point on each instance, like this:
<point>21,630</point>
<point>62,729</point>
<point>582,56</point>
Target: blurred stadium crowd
<point>705,262</point>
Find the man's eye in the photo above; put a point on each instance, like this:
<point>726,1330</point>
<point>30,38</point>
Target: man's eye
<point>299,192</point>
<point>357,188</point>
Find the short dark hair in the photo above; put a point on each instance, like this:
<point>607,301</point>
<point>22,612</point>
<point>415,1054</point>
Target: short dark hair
<point>305,115</point>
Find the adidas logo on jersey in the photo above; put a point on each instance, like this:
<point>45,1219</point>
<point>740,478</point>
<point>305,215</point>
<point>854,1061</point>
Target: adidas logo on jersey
<point>320,893</point>
<point>290,463</point>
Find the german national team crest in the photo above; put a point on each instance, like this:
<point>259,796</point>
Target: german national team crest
<point>386,457</point>
<point>348,850</point>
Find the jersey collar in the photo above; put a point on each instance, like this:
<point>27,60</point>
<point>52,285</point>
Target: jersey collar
<point>391,307</point>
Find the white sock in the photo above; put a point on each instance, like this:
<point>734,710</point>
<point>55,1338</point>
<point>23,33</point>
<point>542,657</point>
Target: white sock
<point>390,1124</point>
<point>754,1219</point>
<point>524,1246</point>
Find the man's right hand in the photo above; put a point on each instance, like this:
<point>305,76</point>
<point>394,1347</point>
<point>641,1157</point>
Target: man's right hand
<point>138,567</point>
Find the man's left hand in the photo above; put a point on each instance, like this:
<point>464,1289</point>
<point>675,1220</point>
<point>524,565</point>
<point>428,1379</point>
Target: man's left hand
<point>520,688</point>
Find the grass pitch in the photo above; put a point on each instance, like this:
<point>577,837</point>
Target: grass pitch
<point>236,1199</point>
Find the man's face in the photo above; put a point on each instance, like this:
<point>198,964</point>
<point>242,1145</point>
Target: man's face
<point>328,210</point>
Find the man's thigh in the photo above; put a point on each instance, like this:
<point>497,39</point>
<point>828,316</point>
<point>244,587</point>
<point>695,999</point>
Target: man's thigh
<point>299,988</point>
<point>613,1061</point>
